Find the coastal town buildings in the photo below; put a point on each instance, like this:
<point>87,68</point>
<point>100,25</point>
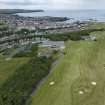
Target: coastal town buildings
<point>13,35</point>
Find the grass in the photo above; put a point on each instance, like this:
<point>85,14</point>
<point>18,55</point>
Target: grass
<point>96,25</point>
<point>7,68</point>
<point>83,63</point>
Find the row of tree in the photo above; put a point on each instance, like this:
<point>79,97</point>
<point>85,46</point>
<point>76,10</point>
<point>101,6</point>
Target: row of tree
<point>71,35</point>
<point>26,34</point>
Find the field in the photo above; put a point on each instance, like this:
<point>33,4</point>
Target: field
<point>79,78</point>
<point>7,67</point>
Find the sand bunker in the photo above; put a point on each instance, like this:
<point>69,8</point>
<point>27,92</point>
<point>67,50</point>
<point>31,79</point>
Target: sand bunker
<point>52,83</point>
<point>81,92</point>
<point>93,83</point>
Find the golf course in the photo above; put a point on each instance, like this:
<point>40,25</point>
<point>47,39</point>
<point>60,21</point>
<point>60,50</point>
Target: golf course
<point>78,78</point>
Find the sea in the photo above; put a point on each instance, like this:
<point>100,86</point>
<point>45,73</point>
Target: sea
<point>74,15</point>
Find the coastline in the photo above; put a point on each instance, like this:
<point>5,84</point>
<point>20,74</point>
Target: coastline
<point>14,11</point>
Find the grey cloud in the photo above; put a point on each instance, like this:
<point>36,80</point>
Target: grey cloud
<point>52,4</point>
<point>21,3</point>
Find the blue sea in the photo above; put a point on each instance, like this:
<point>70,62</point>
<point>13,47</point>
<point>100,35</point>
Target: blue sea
<point>81,15</point>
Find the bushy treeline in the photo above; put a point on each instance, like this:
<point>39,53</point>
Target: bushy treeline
<point>17,89</point>
<point>24,34</point>
<point>27,31</point>
<point>71,35</point>
<point>23,31</point>
<point>76,35</point>
<point>3,27</point>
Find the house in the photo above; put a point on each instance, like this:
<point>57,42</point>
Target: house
<point>93,38</point>
<point>56,45</point>
<point>48,47</point>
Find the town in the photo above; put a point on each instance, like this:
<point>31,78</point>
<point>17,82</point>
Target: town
<point>17,30</point>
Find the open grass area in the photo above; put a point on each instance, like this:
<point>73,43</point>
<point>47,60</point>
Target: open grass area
<point>79,78</point>
<point>7,67</point>
<point>96,25</point>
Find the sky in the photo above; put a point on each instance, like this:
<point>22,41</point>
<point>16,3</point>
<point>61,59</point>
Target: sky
<point>52,4</point>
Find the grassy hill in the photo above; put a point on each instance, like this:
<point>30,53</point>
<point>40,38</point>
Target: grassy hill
<point>79,78</point>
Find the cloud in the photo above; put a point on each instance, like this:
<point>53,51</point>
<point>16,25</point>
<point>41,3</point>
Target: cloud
<point>53,4</point>
<point>21,3</point>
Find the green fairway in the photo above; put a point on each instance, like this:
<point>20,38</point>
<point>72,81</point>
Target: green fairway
<point>79,78</point>
<point>7,67</point>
